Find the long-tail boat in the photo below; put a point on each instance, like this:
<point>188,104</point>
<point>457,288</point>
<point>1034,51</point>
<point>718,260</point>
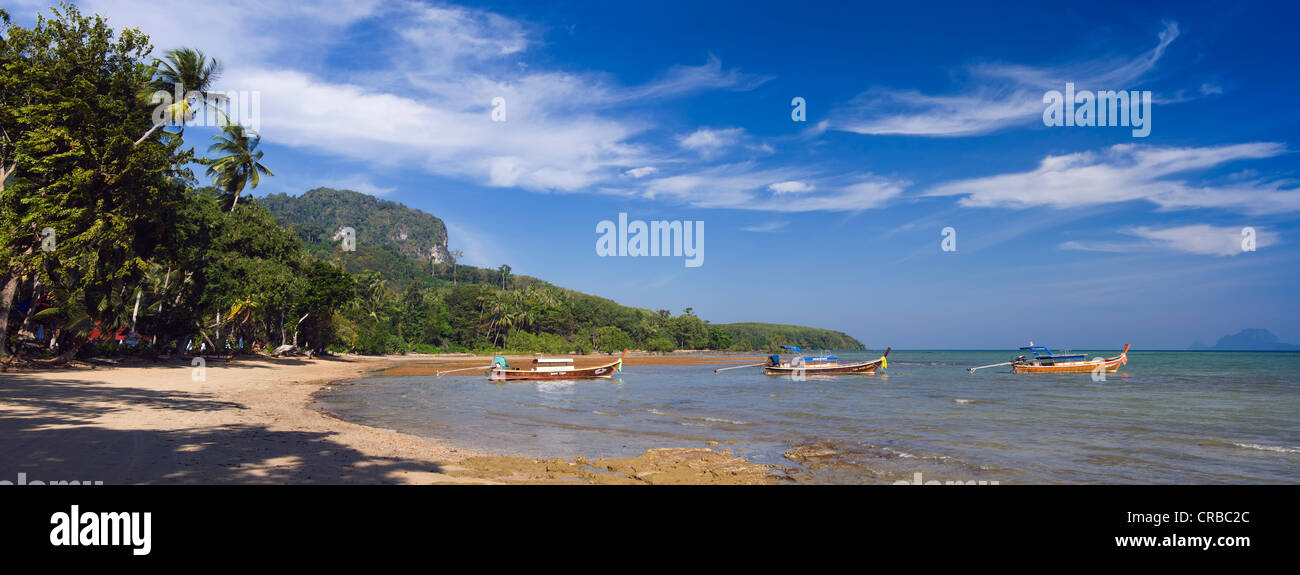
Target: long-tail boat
<point>825,365</point>
<point>1044,361</point>
<point>552,369</point>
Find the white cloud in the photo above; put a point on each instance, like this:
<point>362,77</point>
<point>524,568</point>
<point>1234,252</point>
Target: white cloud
<point>1198,239</point>
<point>422,96</point>
<point>642,172</point>
<point>249,30</point>
<point>450,32</point>
<point>1005,95</point>
<point>682,80</point>
<point>744,186</point>
<point>562,154</point>
<point>1128,172</point>
<point>790,187</point>
<point>1203,239</point>
<point>708,141</point>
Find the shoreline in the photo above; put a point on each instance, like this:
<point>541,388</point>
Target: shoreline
<point>254,420</point>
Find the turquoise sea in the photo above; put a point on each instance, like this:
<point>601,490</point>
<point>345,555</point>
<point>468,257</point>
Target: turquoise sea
<point>1166,417</point>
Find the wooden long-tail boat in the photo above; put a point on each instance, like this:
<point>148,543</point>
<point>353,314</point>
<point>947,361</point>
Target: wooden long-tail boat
<point>553,369</point>
<point>1044,361</point>
<point>822,365</point>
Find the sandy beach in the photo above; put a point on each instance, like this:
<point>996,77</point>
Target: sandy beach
<point>251,421</point>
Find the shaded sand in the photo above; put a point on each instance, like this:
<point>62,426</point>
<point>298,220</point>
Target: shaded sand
<point>251,421</point>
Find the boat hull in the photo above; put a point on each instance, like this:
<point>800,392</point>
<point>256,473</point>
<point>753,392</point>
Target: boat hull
<point>601,371</point>
<point>863,368</point>
<point>856,368</point>
<point>1110,365</point>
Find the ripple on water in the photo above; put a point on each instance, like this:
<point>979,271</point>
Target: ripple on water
<point>1273,448</point>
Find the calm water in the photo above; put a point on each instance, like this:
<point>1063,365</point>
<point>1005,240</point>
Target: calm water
<point>1168,417</point>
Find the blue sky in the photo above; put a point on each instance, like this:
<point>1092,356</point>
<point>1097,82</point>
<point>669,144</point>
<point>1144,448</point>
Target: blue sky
<point>918,118</point>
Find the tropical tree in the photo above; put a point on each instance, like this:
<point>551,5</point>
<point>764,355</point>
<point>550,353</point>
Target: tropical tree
<point>107,206</point>
<point>241,163</point>
<point>455,260</point>
<point>189,73</point>
<point>505,273</point>
<point>243,315</point>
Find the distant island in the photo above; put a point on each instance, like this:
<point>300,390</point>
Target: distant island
<point>1253,339</point>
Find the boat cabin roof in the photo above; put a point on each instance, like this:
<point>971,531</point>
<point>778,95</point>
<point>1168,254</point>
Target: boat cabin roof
<point>553,360</point>
<point>794,349</point>
<point>1041,352</point>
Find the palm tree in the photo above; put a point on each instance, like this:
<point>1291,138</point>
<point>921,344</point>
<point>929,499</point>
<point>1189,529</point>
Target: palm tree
<point>502,319</point>
<point>455,259</point>
<point>241,163</point>
<point>524,315</point>
<point>184,71</point>
<point>71,309</point>
<point>505,273</point>
<point>374,294</point>
<point>242,314</point>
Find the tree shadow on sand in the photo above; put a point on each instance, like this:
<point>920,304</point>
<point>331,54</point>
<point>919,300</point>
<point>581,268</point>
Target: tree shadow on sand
<point>49,432</point>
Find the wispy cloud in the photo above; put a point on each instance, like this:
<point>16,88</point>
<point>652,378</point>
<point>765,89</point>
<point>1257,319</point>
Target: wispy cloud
<point>766,226</point>
<point>1000,96</point>
<point>423,97</point>
<point>1199,239</point>
<point>745,186</point>
<point>790,187</point>
<point>682,80</point>
<point>642,172</point>
<point>708,142</point>
<point>1127,172</point>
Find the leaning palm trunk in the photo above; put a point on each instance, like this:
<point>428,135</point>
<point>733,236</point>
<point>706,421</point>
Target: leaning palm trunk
<point>149,133</point>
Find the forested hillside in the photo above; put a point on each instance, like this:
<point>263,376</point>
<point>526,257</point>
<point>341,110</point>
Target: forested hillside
<point>319,214</point>
<point>752,335</point>
<point>466,307</point>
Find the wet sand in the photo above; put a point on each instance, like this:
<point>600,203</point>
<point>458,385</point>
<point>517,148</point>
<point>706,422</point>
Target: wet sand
<point>252,420</point>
